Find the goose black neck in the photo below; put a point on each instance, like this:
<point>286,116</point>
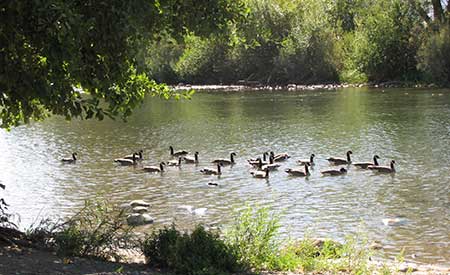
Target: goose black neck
<point>348,157</point>
<point>306,169</point>
<point>196,157</point>
<point>171,150</point>
<point>392,166</point>
<point>267,173</point>
<point>311,159</point>
<point>219,170</point>
<point>161,166</point>
<point>232,158</point>
<point>271,160</point>
<point>74,156</point>
<point>375,161</point>
<point>264,156</point>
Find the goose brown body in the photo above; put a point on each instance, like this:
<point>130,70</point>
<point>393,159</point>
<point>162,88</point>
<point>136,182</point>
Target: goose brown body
<point>225,161</point>
<point>298,172</point>
<point>334,172</point>
<point>340,161</point>
<point>73,159</point>
<point>365,165</point>
<point>384,169</point>
<point>158,169</point>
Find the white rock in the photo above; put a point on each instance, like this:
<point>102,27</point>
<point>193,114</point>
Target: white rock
<point>393,221</point>
<point>199,211</point>
<point>139,209</point>
<point>137,219</point>
<point>139,203</point>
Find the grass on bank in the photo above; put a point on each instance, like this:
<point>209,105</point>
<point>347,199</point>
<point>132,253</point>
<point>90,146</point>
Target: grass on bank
<point>251,244</point>
<point>97,230</point>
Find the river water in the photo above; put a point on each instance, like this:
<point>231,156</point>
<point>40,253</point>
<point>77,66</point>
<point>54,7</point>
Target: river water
<point>409,125</point>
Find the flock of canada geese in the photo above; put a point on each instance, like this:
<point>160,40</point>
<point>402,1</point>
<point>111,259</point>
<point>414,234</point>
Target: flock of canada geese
<point>262,165</point>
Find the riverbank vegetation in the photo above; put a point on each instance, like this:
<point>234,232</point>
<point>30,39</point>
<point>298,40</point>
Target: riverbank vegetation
<point>306,42</point>
<point>250,245</point>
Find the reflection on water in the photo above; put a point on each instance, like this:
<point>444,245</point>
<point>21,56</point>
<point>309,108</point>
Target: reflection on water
<point>410,126</point>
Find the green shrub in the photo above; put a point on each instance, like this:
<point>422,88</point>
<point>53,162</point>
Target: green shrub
<point>386,41</point>
<point>434,56</point>
<point>159,247</point>
<point>201,252</point>
<point>253,237</point>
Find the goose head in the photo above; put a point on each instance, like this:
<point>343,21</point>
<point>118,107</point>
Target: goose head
<point>343,170</point>
<point>392,164</point>
<point>74,155</point>
<point>349,152</point>
<point>375,159</point>
<point>232,155</point>
<point>171,150</point>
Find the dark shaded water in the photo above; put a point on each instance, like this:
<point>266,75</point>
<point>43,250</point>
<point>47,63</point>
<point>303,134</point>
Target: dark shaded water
<point>410,126</point>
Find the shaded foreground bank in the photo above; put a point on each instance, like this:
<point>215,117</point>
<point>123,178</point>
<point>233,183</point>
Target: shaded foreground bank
<point>90,241</point>
<point>34,261</point>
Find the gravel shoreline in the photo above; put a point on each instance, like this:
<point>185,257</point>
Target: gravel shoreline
<point>298,87</point>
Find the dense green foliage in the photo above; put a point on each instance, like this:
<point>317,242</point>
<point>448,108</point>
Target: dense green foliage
<point>198,253</point>
<point>53,50</point>
<point>305,41</point>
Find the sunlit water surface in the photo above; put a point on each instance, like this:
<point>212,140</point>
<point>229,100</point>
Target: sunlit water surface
<point>410,126</point>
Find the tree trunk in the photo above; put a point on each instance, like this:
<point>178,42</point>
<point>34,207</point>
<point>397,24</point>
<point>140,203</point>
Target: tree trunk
<point>438,12</point>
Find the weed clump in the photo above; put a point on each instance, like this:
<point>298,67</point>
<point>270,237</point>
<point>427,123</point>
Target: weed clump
<point>197,253</point>
<point>97,230</point>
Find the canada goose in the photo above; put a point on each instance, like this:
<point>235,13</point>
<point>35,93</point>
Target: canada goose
<point>192,159</point>
<point>256,160</point>
<point>270,166</point>
<point>177,153</point>
<point>338,161</point>
<point>209,171</point>
<point>138,155</point>
<point>384,169</point>
<point>279,157</point>
<point>365,165</point>
<point>259,163</point>
<point>125,162</point>
<point>226,161</point>
<point>309,161</point>
<point>298,172</point>
<point>334,172</point>
<point>261,174</point>
<point>155,168</point>
<point>73,159</point>
<point>175,162</point>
